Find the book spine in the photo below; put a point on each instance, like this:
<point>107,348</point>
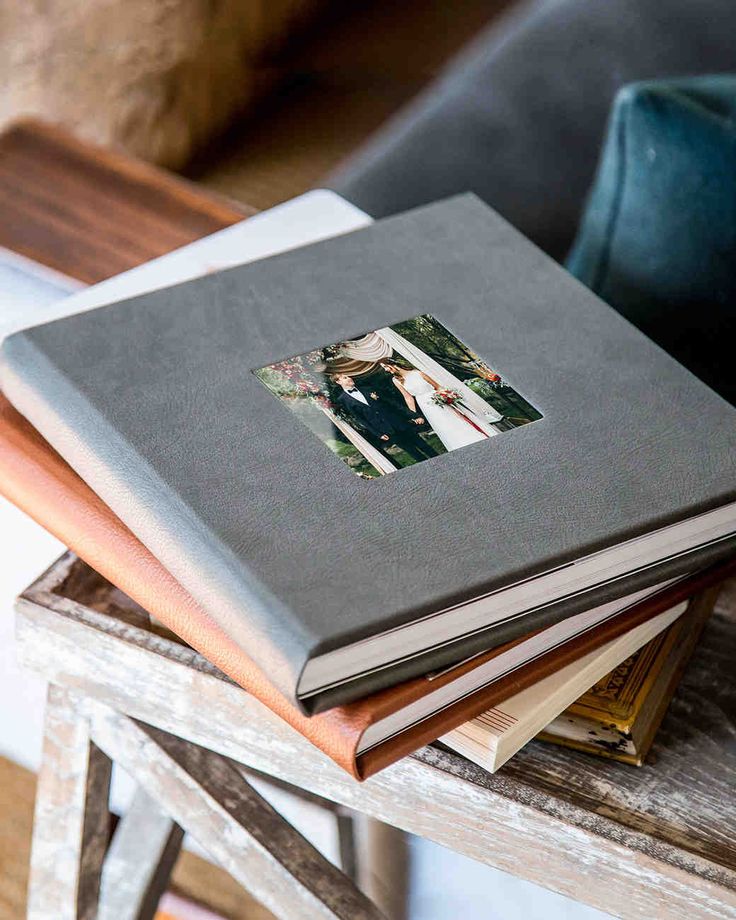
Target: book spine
<point>712,564</point>
<point>196,557</point>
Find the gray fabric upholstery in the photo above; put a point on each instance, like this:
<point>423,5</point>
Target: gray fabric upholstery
<point>520,118</point>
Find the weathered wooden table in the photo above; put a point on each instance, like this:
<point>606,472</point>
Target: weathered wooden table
<point>655,842</point>
<point>659,841</point>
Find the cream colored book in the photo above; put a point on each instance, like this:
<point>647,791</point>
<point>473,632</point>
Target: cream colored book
<point>495,736</point>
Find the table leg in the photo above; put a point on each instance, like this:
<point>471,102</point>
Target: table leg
<point>142,854</point>
<point>382,861</point>
<point>72,820</point>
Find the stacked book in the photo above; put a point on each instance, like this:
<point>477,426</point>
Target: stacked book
<point>406,483</point>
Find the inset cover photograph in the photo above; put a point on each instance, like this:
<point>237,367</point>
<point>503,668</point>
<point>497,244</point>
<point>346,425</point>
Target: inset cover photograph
<point>397,396</point>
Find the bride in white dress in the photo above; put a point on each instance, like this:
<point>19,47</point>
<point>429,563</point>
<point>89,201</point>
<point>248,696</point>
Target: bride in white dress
<point>455,427</point>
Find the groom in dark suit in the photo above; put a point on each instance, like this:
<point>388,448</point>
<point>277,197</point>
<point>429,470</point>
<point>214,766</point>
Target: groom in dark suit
<point>383,424</point>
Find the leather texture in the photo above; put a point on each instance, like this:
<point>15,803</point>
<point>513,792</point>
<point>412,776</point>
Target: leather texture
<point>36,479</point>
<point>659,233</point>
<point>154,403</point>
<point>519,118</point>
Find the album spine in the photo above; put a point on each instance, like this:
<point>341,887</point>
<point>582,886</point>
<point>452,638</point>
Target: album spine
<point>541,618</point>
<point>264,628</point>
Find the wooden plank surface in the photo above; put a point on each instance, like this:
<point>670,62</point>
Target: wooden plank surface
<point>657,841</point>
<point>92,213</point>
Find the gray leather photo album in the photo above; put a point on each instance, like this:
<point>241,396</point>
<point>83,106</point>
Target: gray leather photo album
<point>376,455</point>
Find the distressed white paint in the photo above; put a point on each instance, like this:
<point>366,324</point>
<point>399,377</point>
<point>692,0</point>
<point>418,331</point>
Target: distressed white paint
<point>208,797</point>
<point>71,818</point>
<point>139,862</point>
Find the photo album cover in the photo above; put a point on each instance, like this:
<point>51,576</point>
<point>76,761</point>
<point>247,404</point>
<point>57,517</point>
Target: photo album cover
<point>397,396</point>
<point>258,480</point>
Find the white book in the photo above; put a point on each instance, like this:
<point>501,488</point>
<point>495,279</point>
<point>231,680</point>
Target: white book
<point>495,736</point>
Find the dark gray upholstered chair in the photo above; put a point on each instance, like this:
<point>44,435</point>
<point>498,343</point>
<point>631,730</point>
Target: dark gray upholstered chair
<point>520,117</point>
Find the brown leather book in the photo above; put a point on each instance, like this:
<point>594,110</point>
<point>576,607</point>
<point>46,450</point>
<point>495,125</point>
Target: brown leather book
<point>39,481</point>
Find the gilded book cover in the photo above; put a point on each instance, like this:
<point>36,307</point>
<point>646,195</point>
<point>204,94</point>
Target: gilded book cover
<point>618,697</point>
<point>619,716</point>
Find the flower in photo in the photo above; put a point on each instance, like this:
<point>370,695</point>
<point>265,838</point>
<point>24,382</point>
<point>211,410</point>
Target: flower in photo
<point>446,397</point>
<point>306,386</point>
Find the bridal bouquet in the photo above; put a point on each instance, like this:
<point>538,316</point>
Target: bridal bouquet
<point>446,397</point>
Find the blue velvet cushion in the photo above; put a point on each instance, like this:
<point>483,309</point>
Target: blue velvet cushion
<point>658,238</point>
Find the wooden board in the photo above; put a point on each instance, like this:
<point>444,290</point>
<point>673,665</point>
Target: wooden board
<point>92,213</point>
